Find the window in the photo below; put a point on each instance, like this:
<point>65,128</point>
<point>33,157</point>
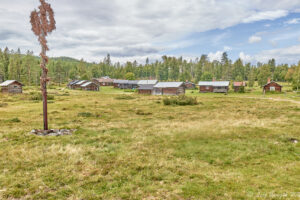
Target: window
<point>15,86</point>
<point>272,88</point>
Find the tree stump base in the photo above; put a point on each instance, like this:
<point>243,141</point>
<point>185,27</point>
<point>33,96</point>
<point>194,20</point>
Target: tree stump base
<point>53,132</point>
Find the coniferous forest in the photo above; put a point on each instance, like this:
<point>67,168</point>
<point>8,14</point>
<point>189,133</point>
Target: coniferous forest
<point>25,68</point>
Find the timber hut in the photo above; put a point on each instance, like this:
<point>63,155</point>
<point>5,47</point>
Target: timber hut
<point>272,86</point>
<point>11,86</point>
<point>132,84</point>
<point>213,86</point>
<point>238,85</point>
<point>146,86</point>
<point>72,83</point>
<point>189,85</point>
<point>90,86</point>
<point>169,88</point>
<point>104,81</point>
<point>78,84</point>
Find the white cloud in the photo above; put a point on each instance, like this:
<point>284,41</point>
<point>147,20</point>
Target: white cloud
<point>227,48</point>
<point>130,29</point>
<point>254,39</point>
<point>266,15</point>
<point>293,21</point>
<point>215,56</point>
<point>245,58</point>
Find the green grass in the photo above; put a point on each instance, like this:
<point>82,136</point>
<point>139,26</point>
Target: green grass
<point>131,146</point>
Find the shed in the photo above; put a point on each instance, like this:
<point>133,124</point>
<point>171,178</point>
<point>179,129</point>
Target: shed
<point>169,88</point>
<point>272,86</point>
<point>90,86</point>
<point>214,86</point>
<point>132,84</point>
<point>78,84</point>
<point>120,84</point>
<point>104,81</point>
<point>189,85</point>
<point>238,85</point>
<point>72,83</point>
<point>145,89</point>
<point>11,86</point>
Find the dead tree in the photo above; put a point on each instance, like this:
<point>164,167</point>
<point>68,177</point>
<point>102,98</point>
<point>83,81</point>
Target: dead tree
<point>43,22</point>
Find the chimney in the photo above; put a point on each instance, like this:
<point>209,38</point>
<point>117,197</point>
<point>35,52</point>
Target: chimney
<point>269,80</point>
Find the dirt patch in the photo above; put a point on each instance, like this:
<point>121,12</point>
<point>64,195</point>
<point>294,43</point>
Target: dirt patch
<point>53,132</point>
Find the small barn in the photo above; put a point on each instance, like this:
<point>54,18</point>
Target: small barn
<point>11,86</point>
<point>213,86</point>
<point>145,89</point>
<point>238,85</point>
<point>90,86</point>
<point>169,88</point>
<point>189,85</point>
<point>72,83</point>
<point>132,84</point>
<point>78,84</point>
<point>121,84</point>
<point>104,81</point>
<point>272,86</point>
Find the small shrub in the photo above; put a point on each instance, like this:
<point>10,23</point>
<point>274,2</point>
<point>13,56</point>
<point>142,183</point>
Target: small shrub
<point>15,120</point>
<point>124,97</point>
<point>129,90</point>
<point>140,112</point>
<point>85,114</point>
<point>38,97</point>
<point>3,105</point>
<point>181,100</point>
<point>242,89</point>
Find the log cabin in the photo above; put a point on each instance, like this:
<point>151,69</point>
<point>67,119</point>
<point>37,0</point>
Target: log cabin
<point>11,86</point>
<point>169,88</point>
<point>214,86</point>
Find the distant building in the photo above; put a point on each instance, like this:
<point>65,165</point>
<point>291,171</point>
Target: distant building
<point>78,84</point>
<point>238,85</point>
<point>214,86</point>
<point>104,81</point>
<point>72,83</point>
<point>190,85</point>
<point>90,86</point>
<point>272,86</point>
<point>146,86</point>
<point>11,86</point>
<point>125,84</point>
<point>169,88</point>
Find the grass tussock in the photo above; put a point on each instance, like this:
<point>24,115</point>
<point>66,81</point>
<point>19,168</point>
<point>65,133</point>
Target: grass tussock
<point>124,97</point>
<point>181,100</point>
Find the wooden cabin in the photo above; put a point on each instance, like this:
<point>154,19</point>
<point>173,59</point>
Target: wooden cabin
<point>146,86</point>
<point>272,86</point>
<point>238,85</point>
<point>90,86</point>
<point>104,81</point>
<point>213,86</point>
<point>189,85</point>
<point>169,88</point>
<point>11,86</point>
<point>72,83</point>
<point>78,84</point>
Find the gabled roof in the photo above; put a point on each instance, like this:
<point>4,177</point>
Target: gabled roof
<point>9,82</point>
<point>214,83</point>
<point>120,81</point>
<point>147,82</point>
<point>239,84</point>
<point>73,82</point>
<point>168,85</point>
<point>87,84</point>
<point>273,82</point>
<point>80,82</point>
<point>105,79</point>
<point>146,87</point>
<point>133,82</point>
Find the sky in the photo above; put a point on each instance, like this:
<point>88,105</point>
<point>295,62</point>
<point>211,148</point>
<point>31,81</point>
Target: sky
<point>253,30</point>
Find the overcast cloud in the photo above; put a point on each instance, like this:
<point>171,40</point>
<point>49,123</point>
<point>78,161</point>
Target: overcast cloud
<point>131,29</point>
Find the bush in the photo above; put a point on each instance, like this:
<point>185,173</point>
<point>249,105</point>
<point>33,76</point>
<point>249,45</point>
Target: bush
<point>85,114</point>
<point>241,89</point>
<point>15,120</point>
<point>124,97</point>
<point>38,97</point>
<point>181,100</point>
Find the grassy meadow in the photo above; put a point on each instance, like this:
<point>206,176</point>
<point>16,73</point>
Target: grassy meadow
<point>131,146</point>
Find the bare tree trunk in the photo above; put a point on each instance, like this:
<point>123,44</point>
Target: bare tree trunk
<point>44,88</point>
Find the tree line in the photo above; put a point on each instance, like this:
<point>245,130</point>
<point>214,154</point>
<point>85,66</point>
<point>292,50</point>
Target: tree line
<point>26,68</point>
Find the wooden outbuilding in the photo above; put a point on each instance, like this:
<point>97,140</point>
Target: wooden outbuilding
<point>90,86</point>
<point>189,85</point>
<point>213,86</point>
<point>169,88</point>
<point>78,84</point>
<point>238,85</point>
<point>104,81</point>
<point>272,86</point>
<point>72,83</point>
<point>11,86</point>
<point>146,86</point>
